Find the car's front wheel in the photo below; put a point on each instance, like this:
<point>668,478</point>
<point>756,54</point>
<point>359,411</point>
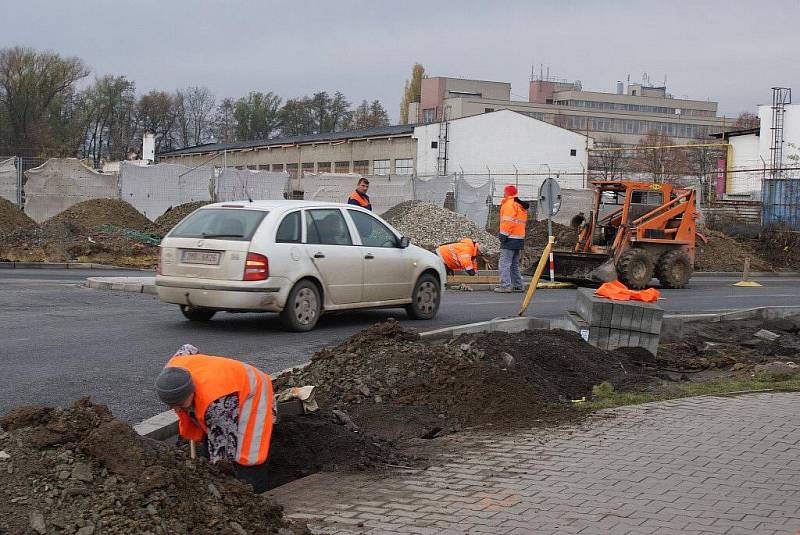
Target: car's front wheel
<point>302,308</point>
<point>197,313</point>
<point>425,299</point>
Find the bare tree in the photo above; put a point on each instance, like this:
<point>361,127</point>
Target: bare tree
<point>156,113</point>
<point>109,105</point>
<point>30,82</point>
<point>194,113</point>
<point>608,164</point>
<point>654,156</point>
<point>368,115</point>
<point>746,120</point>
<point>224,122</point>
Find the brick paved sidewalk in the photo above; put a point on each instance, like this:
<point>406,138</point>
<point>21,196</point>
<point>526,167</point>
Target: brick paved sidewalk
<point>697,465</point>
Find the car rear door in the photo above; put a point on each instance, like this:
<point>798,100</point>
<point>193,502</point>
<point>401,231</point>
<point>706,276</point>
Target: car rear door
<point>330,247</point>
<point>388,269</point>
<point>212,243</point>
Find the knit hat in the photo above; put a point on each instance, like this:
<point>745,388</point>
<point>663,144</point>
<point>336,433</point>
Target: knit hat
<point>510,190</point>
<point>174,385</point>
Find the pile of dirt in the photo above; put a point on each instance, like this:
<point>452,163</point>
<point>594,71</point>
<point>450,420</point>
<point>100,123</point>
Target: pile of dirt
<point>719,345</point>
<point>536,237</point>
<point>724,253</point>
<point>12,218</point>
<point>780,247</point>
<point>428,225</point>
<point>470,381</point>
<point>173,216</point>
<point>81,471</point>
<point>97,212</point>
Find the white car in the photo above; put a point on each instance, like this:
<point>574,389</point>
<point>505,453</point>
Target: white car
<point>298,258</point>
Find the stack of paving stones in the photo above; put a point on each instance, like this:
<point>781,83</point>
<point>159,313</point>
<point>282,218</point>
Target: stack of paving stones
<point>608,324</point>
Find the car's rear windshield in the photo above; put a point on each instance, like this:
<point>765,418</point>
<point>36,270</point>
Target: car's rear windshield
<point>219,223</point>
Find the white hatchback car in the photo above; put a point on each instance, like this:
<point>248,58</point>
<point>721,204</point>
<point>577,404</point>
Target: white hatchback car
<point>298,258</point>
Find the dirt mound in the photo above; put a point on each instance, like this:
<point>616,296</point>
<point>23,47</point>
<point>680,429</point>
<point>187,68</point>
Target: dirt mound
<point>12,218</point>
<point>724,253</point>
<point>466,382</point>
<point>97,212</point>
<point>79,470</point>
<point>429,226</point>
<point>173,216</point>
<point>780,247</point>
<point>536,239</point>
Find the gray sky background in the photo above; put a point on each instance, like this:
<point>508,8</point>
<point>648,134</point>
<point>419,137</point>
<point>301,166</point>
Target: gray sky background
<point>732,52</point>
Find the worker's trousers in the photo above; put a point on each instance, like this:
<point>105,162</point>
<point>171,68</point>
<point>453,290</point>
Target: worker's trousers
<point>510,275</point>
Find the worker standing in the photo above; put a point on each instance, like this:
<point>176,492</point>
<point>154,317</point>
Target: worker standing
<point>460,255</point>
<point>227,402</point>
<point>513,217</point>
<point>359,197</point>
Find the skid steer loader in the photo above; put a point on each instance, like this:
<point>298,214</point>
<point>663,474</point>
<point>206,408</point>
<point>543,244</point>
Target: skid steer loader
<point>634,231</point>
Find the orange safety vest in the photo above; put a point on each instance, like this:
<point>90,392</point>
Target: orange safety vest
<point>360,200</point>
<point>512,218</point>
<point>459,255</point>
<point>617,291</point>
<point>215,377</point>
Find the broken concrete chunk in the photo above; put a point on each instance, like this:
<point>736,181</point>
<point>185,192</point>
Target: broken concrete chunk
<point>508,361</point>
<point>86,530</point>
<point>235,526</point>
<point>82,472</point>
<point>4,456</point>
<point>777,370</point>
<point>214,492</point>
<point>766,335</point>
<point>37,522</point>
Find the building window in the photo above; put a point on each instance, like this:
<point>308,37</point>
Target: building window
<point>573,152</point>
<point>404,166</point>
<point>429,115</point>
<point>342,167</point>
<point>277,167</point>
<point>323,167</point>
<point>434,144</point>
<point>380,167</point>
<point>308,167</point>
<point>361,167</point>
<point>291,168</point>
<point>488,110</point>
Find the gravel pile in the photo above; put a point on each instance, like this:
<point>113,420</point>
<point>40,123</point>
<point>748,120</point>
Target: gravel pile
<point>429,226</point>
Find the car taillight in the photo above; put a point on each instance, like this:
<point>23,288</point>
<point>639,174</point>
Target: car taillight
<point>256,267</point>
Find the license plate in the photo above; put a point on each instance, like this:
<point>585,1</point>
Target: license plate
<point>210,258</point>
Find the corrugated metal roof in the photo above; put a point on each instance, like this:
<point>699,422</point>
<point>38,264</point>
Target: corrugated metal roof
<point>294,140</point>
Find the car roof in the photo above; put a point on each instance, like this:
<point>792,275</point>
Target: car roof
<point>281,204</point>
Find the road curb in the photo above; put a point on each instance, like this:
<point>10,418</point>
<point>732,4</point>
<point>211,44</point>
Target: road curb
<point>64,265</point>
<point>141,285</point>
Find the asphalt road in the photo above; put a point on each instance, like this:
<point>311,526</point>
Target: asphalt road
<point>61,341</point>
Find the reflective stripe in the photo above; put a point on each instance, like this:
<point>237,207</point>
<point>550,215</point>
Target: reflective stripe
<point>258,425</point>
<point>517,236</point>
<point>247,410</point>
<point>513,219</point>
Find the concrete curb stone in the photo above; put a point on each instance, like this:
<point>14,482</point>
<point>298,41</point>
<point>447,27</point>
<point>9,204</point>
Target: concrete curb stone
<point>142,285</point>
<point>64,265</point>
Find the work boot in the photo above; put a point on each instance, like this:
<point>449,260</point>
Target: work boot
<point>501,290</point>
<point>518,289</point>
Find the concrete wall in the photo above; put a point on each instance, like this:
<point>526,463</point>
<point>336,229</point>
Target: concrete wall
<point>8,180</point>
<point>744,154</point>
<point>791,135</point>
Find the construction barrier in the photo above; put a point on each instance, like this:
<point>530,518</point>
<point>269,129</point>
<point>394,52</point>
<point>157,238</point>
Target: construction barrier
<point>8,179</point>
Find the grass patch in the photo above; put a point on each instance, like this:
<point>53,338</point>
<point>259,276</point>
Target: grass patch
<point>618,399</point>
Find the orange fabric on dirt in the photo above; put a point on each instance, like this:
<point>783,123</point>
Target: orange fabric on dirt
<point>619,292</point>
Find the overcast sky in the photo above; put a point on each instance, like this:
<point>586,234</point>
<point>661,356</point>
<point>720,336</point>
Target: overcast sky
<point>732,52</point>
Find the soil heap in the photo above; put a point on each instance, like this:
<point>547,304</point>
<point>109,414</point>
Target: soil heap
<point>398,386</point>
<point>724,253</point>
<point>81,471</point>
<point>12,218</point>
<point>98,212</point>
<point>173,216</point>
<point>536,239</point>
<point>429,226</point>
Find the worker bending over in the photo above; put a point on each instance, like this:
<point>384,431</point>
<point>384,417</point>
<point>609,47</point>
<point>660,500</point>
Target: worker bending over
<point>513,217</point>
<point>459,255</point>
<point>227,402</point>
<point>359,197</point>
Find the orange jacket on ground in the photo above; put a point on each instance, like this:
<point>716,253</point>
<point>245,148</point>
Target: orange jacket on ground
<point>459,255</point>
<point>619,292</point>
<point>215,377</point>
<point>360,199</point>
<point>513,216</point>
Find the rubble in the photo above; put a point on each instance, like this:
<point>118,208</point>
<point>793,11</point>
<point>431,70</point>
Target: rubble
<point>725,253</point>
<point>428,226</point>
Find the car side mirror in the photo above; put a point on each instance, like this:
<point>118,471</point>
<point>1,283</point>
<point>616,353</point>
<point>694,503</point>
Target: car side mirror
<point>404,242</point>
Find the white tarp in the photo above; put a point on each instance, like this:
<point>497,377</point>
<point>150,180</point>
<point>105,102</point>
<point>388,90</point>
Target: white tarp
<point>8,180</point>
<point>153,189</point>
<point>384,192</point>
<point>432,188</point>
<point>473,199</point>
<point>60,183</point>
<point>239,184</point>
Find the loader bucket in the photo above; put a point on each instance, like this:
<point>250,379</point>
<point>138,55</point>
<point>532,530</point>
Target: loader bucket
<point>584,268</point>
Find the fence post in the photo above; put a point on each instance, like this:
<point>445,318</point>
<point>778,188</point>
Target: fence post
<point>18,162</point>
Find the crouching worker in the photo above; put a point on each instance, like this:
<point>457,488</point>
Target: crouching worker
<point>460,255</point>
<point>226,402</point>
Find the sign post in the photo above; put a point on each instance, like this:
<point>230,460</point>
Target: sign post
<point>550,203</point>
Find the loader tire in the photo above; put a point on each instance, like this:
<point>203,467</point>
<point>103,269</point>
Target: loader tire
<point>635,269</point>
<point>674,269</point>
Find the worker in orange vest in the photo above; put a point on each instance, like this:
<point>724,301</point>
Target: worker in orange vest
<point>459,255</point>
<point>359,197</point>
<point>513,217</point>
<point>225,401</point>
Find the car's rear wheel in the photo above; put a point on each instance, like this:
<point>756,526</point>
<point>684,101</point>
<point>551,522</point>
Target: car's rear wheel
<point>302,308</point>
<point>425,298</point>
<point>197,313</point>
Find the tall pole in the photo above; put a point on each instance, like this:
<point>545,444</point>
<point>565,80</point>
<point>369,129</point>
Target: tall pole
<point>550,225</point>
